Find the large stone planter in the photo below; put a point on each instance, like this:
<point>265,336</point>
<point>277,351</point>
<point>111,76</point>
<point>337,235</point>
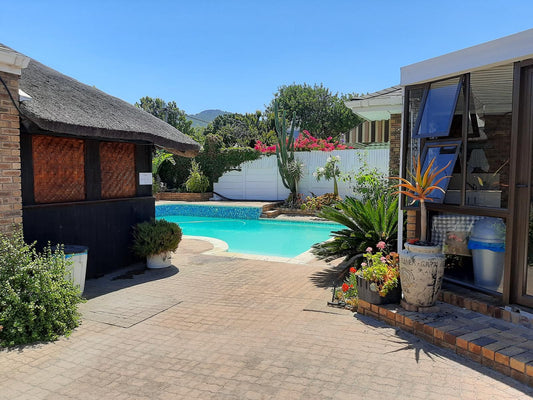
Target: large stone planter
<point>421,272</point>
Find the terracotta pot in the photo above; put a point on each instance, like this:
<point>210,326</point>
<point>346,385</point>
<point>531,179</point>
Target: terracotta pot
<point>161,260</point>
<point>421,272</point>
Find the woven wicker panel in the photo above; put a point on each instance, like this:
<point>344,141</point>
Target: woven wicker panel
<point>58,169</point>
<point>117,164</point>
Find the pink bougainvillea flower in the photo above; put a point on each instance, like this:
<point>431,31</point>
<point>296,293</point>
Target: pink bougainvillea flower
<point>345,287</point>
<point>369,249</point>
<point>383,259</point>
<point>364,264</point>
<point>381,245</point>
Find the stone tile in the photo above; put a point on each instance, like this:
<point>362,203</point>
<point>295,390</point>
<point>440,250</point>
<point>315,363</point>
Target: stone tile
<point>246,329</point>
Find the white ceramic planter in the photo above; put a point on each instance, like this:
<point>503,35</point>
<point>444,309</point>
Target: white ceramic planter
<point>161,260</point>
<point>421,272</point>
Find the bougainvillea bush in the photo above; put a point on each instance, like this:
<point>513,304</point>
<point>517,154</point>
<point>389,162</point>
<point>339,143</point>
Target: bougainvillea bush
<point>305,142</point>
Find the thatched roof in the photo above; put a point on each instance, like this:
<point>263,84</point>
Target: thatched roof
<point>63,105</point>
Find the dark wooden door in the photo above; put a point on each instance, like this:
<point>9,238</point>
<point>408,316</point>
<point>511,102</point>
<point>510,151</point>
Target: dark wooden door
<point>522,244</point>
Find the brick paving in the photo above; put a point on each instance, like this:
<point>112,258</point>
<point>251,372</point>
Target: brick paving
<point>229,328</point>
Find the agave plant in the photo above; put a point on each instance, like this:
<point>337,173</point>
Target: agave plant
<point>366,224</point>
<point>422,185</point>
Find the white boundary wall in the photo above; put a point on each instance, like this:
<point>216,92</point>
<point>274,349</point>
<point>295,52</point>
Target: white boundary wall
<point>260,180</point>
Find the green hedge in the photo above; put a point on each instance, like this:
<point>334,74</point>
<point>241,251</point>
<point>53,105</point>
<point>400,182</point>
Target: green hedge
<point>214,161</point>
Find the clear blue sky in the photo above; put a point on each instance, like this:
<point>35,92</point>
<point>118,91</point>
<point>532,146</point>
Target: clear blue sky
<point>233,55</point>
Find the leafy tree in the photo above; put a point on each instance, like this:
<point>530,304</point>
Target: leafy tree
<point>317,110</point>
<point>168,112</point>
<point>243,129</point>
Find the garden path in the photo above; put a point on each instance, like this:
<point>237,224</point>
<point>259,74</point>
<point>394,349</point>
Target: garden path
<point>216,327</point>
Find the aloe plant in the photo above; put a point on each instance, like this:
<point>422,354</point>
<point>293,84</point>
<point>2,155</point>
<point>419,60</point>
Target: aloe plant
<point>290,169</point>
<point>422,185</point>
<point>366,224</point>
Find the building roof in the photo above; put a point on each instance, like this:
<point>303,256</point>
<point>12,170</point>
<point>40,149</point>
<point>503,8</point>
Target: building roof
<point>61,104</point>
<point>379,105</point>
<point>11,61</point>
<point>497,52</point>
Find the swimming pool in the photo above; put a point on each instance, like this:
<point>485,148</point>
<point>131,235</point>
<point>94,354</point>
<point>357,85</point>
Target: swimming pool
<point>257,236</point>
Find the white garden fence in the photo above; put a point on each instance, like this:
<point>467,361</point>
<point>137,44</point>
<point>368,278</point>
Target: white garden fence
<point>260,180</point>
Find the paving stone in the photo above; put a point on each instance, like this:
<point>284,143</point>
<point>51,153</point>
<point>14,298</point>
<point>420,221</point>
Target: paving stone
<point>232,328</point>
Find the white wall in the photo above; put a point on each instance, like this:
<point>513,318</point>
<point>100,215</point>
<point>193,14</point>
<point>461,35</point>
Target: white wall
<point>260,180</point>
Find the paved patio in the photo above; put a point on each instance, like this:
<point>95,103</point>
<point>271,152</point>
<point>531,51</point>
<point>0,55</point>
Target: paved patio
<point>229,328</point>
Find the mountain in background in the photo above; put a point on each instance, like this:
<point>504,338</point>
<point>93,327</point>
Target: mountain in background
<point>205,117</point>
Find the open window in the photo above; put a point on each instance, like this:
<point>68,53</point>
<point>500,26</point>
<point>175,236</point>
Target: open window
<point>438,109</point>
<point>444,153</point>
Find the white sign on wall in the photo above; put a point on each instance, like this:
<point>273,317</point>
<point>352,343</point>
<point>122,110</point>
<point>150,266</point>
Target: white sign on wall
<point>145,178</point>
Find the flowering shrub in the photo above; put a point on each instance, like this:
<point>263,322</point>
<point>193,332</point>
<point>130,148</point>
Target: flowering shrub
<point>348,290</point>
<point>381,270</point>
<point>315,203</point>
<point>305,142</point>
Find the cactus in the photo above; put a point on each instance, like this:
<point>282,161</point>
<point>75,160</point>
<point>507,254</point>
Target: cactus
<point>289,168</point>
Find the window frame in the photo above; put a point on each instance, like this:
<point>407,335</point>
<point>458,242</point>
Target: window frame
<point>427,89</point>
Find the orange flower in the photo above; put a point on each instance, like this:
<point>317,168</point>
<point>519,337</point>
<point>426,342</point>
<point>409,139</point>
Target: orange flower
<point>345,287</point>
<point>353,270</point>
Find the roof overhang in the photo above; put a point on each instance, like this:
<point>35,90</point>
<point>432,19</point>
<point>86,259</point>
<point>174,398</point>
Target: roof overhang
<point>12,62</point>
<point>490,54</point>
<point>377,108</point>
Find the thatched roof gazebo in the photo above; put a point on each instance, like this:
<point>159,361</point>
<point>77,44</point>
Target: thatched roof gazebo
<point>83,156</point>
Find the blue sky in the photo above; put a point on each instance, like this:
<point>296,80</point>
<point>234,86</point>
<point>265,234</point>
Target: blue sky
<point>233,55</point>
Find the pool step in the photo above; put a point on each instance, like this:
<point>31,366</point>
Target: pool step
<point>270,214</point>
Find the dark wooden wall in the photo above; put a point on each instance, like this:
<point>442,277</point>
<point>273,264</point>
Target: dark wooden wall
<point>104,225</point>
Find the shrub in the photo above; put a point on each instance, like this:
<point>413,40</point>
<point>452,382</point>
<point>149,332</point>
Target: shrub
<point>155,236</point>
<point>366,223</point>
<point>197,181</point>
<point>37,301</point>
<point>316,203</point>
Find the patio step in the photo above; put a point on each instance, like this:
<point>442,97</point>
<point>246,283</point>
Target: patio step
<point>270,214</point>
<point>502,345</point>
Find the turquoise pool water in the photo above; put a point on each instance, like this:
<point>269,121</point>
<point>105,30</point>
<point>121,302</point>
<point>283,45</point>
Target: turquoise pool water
<point>252,236</point>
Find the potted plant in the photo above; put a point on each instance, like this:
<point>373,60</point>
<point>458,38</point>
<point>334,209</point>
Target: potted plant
<point>378,277</point>
<point>156,240</point>
<point>422,262</point>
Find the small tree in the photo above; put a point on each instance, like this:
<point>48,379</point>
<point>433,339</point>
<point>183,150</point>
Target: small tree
<point>290,169</point>
<point>330,171</point>
<point>158,158</point>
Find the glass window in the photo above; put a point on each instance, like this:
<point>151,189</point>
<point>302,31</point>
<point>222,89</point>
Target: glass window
<point>445,155</point>
<point>489,140</point>
<point>438,109</point>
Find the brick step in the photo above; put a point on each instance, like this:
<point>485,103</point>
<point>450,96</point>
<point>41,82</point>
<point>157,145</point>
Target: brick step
<point>270,206</point>
<point>270,214</point>
<point>498,344</point>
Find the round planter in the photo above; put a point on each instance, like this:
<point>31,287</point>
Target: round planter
<point>421,272</point>
<point>161,260</point>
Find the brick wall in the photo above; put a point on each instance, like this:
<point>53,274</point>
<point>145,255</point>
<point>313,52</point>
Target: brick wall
<point>10,184</point>
<point>395,131</point>
<point>412,228</point>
